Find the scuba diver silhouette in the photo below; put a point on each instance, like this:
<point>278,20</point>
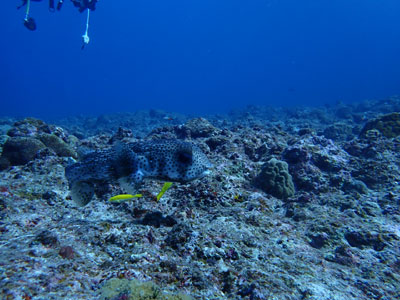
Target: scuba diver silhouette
<point>29,22</point>
<point>82,5</point>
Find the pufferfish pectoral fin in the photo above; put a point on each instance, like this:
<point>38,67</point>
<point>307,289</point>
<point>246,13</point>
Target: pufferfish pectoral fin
<point>131,183</point>
<point>82,192</point>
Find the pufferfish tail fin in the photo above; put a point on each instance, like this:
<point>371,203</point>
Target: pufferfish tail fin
<point>82,192</point>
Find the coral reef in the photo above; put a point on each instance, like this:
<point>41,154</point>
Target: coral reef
<point>27,139</point>
<point>388,125</point>
<point>116,288</point>
<point>275,179</point>
<point>19,151</point>
<point>224,236</point>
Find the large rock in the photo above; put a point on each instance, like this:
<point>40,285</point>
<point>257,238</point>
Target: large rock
<point>198,127</point>
<point>388,125</point>
<point>19,151</point>
<point>30,135</point>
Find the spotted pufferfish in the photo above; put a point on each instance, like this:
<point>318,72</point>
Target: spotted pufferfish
<point>130,163</point>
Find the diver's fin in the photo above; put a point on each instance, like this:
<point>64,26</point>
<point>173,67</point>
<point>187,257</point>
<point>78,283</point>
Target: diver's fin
<point>82,192</point>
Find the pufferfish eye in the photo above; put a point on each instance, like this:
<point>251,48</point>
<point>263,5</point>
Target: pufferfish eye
<point>185,157</point>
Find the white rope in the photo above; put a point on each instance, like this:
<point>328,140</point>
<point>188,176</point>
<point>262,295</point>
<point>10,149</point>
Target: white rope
<point>85,37</point>
<point>28,6</point>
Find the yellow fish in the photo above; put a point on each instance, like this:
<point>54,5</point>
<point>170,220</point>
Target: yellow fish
<point>124,197</point>
<point>165,188</point>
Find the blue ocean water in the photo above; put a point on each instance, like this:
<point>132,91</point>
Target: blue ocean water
<point>197,57</point>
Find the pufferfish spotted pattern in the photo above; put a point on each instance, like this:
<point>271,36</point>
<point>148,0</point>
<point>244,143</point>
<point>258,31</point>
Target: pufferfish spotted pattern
<point>171,160</point>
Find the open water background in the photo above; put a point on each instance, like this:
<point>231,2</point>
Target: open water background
<point>198,56</point>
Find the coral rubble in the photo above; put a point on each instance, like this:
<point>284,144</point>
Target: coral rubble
<point>302,203</point>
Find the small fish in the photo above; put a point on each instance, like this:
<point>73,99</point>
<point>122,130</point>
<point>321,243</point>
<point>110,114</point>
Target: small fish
<point>129,164</point>
<point>124,197</point>
<point>165,188</point>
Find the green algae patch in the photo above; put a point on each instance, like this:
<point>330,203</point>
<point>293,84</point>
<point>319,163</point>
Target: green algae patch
<point>388,125</point>
<point>116,288</point>
<point>57,145</point>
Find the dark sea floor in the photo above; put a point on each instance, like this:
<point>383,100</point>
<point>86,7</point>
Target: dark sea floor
<point>302,203</point>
